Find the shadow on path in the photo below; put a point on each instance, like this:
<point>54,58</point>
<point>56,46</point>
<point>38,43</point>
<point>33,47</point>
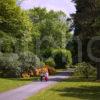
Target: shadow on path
<point>84,93</point>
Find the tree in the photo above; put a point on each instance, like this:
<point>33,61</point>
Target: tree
<point>15,22</point>
<point>87,26</point>
<point>50,28</point>
<point>62,57</point>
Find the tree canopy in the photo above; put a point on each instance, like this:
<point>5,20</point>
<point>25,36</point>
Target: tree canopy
<point>31,35</point>
<point>87,26</point>
<point>50,27</point>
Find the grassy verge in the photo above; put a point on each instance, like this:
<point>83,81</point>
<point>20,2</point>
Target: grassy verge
<point>71,89</point>
<point>10,83</point>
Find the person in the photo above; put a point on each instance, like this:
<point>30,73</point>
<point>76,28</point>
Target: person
<point>41,76</point>
<point>46,76</point>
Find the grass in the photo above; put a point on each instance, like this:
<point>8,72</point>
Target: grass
<point>71,89</point>
<point>11,83</point>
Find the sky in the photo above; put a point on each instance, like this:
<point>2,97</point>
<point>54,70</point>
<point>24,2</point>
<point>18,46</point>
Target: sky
<point>64,5</point>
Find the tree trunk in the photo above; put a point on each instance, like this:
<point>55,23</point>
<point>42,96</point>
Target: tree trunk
<point>98,71</point>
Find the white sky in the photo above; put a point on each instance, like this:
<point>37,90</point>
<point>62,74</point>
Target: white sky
<point>64,5</point>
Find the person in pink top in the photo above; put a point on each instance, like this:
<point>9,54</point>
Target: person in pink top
<point>46,76</point>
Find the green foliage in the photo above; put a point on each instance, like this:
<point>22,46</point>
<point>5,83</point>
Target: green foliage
<point>9,65</point>
<point>87,26</point>
<point>22,31</point>
<point>7,44</point>
<point>62,57</point>
<point>28,61</point>
<point>70,66</point>
<point>42,64</point>
<point>69,57</point>
<point>15,25</point>
<point>12,65</point>
<point>85,70</point>
<point>50,62</point>
<point>50,29</point>
<point>13,19</point>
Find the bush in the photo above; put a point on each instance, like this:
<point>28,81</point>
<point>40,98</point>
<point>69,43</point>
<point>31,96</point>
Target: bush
<point>62,57</point>
<point>28,61</point>
<point>42,64</point>
<point>12,72</point>
<point>13,65</point>
<point>36,61</point>
<point>50,62</point>
<point>9,65</point>
<point>85,70</point>
<point>70,66</point>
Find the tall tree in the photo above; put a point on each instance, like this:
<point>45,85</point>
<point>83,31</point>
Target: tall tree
<point>15,22</point>
<point>50,27</point>
<point>87,26</point>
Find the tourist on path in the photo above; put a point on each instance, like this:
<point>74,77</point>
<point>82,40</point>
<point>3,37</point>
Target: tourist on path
<point>46,76</point>
<point>41,76</point>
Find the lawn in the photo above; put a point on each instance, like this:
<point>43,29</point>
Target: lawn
<point>9,83</point>
<point>71,89</point>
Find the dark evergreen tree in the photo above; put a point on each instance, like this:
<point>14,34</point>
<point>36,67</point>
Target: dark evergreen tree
<point>87,26</point>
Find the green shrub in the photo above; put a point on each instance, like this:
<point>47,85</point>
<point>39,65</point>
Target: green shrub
<point>9,65</point>
<point>11,72</point>
<point>28,61</point>
<point>13,65</point>
<point>70,66</point>
<point>42,64</point>
<point>85,70</point>
<point>62,57</point>
<point>46,53</point>
<point>50,62</point>
<point>36,61</point>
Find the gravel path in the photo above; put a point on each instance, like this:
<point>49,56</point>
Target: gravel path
<point>26,91</point>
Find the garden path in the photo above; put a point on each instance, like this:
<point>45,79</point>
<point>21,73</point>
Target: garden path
<point>22,93</point>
